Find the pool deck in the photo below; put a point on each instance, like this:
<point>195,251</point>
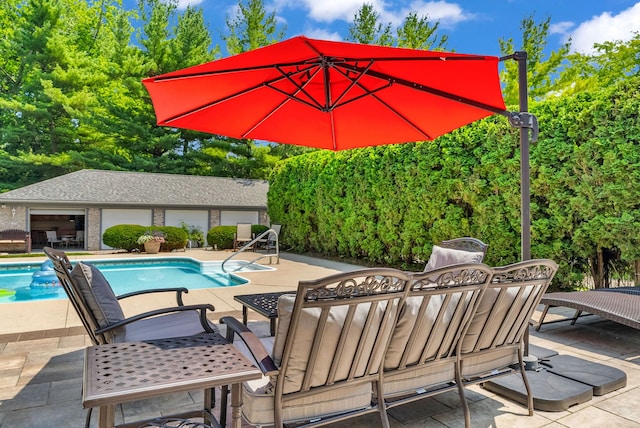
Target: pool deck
<point>41,352</point>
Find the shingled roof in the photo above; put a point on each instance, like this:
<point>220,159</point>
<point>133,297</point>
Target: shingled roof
<point>122,188</point>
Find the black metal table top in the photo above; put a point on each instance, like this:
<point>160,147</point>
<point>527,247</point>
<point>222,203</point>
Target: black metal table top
<point>266,304</point>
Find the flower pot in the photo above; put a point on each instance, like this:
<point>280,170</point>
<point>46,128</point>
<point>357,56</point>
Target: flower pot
<point>151,247</point>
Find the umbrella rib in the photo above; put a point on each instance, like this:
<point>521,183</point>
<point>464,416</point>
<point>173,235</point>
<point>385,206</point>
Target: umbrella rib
<point>354,82</point>
<point>403,117</point>
<point>428,89</point>
<point>239,93</point>
<point>300,88</point>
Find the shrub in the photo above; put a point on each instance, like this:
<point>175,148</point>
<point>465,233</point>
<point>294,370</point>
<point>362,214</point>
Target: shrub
<point>221,237</point>
<point>174,238</point>
<point>125,236</point>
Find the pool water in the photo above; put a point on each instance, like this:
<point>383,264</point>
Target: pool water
<point>124,275</point>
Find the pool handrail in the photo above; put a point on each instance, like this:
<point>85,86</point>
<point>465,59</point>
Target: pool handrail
<point>269,235</point>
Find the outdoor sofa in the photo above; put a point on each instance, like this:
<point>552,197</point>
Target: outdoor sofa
<point>15,241</point>
<point>368,340</point>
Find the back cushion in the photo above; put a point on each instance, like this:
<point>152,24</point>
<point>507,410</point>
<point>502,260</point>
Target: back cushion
<point>97,293</point>
<point>303,340</point>
<point>442,257</point>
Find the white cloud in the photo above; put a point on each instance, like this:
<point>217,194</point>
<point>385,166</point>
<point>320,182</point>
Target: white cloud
<point>606,27</point>
<point>332,10</point>
<point>322,34</point>
<point>183,4</point>
<point>447,13</point>
<point>561,27</point>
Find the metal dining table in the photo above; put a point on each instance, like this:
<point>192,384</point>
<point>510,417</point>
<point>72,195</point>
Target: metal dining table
<point>122,372</point>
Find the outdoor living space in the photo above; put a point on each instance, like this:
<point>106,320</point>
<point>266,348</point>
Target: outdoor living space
<point>42,346</point>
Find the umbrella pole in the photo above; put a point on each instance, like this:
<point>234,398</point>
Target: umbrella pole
<point>525,179</point>
<point>525,121</point>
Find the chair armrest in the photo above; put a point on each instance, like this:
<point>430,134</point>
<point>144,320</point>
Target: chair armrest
<point>201,308</point>
<point>257,349</point>
<point>177,290</point>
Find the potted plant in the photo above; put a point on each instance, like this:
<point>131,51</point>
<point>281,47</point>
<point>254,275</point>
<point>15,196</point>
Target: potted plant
<point>151,241</point>
<point>194,234</point>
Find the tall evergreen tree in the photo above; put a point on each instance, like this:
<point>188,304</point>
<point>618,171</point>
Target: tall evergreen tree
<point>541,73</point>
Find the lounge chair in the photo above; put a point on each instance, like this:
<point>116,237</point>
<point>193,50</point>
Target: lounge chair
<point>103,318</point>
<point>78,240</point>
<point>494,340</point>
<point>421,357</point>
<point>242,236</point>
<point>621,305</point>
<point>326,357</point>
<point>270,241</point>
<point>455,251</point>
<point>52,238</point>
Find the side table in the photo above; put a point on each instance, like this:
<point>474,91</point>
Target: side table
<point>121,372</point>
<point>266,304</point>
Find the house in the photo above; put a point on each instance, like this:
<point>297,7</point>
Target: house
<point>94,200</point>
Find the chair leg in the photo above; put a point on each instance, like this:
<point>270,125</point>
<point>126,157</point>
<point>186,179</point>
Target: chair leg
<point>544,314</point>
<point>382,406</point>
<point>526,382</point>
<point>223,405</point>
<point>463,398</point>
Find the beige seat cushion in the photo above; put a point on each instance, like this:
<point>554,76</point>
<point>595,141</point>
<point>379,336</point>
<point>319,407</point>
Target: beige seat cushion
<point>481,363</point>
<point>257,405</point>
<point>442,257</point>
<point>423,377</point>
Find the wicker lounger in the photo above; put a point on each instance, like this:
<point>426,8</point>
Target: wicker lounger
<point>621,305</point>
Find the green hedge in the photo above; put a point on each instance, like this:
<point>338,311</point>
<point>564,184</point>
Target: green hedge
<point>125,237</point>
<point>388,205</point>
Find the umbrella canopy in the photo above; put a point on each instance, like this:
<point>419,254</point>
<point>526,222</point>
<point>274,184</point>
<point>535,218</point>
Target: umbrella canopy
<point>330,95</point>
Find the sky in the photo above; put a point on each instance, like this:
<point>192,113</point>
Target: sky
<point>471,26</point>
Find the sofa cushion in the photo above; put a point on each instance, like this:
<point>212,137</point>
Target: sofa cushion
<point>257,398</point>
<point>442,257</point>
<point>304,336</point>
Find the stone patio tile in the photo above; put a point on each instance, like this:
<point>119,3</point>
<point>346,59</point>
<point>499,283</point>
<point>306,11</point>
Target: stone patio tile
<point>165,405</point>
<point>624,404</point>
<point>9,378</point>
<point>12,361</point>
<point>419,410</point>
<point>76,341</point>
<point>24,397</point>
<point>494,413</point>
<point>41,373</point>
<point>592,416</point>
<point>40,345</point>
<point>68,391</point>
<point>46,416</point>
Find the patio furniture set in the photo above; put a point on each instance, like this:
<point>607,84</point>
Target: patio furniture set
<point>375,338</point>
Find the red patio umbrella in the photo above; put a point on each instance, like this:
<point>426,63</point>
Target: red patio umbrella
<point>330,95</point>
<point>335,95</point>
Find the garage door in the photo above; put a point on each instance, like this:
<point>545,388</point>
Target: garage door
<point>112,217</point>
<point>231,218</point>
<point>193,218</point>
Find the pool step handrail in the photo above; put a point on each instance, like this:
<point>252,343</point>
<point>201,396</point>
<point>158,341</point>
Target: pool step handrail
<point>270,236</point>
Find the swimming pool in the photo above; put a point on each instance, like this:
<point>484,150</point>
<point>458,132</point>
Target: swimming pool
<point>126,275</point>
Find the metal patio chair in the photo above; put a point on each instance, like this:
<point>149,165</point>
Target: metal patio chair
<point>242,236</point>
<point>103,318</point>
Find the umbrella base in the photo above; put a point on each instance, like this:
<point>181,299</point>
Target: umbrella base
<point>561,382</point>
